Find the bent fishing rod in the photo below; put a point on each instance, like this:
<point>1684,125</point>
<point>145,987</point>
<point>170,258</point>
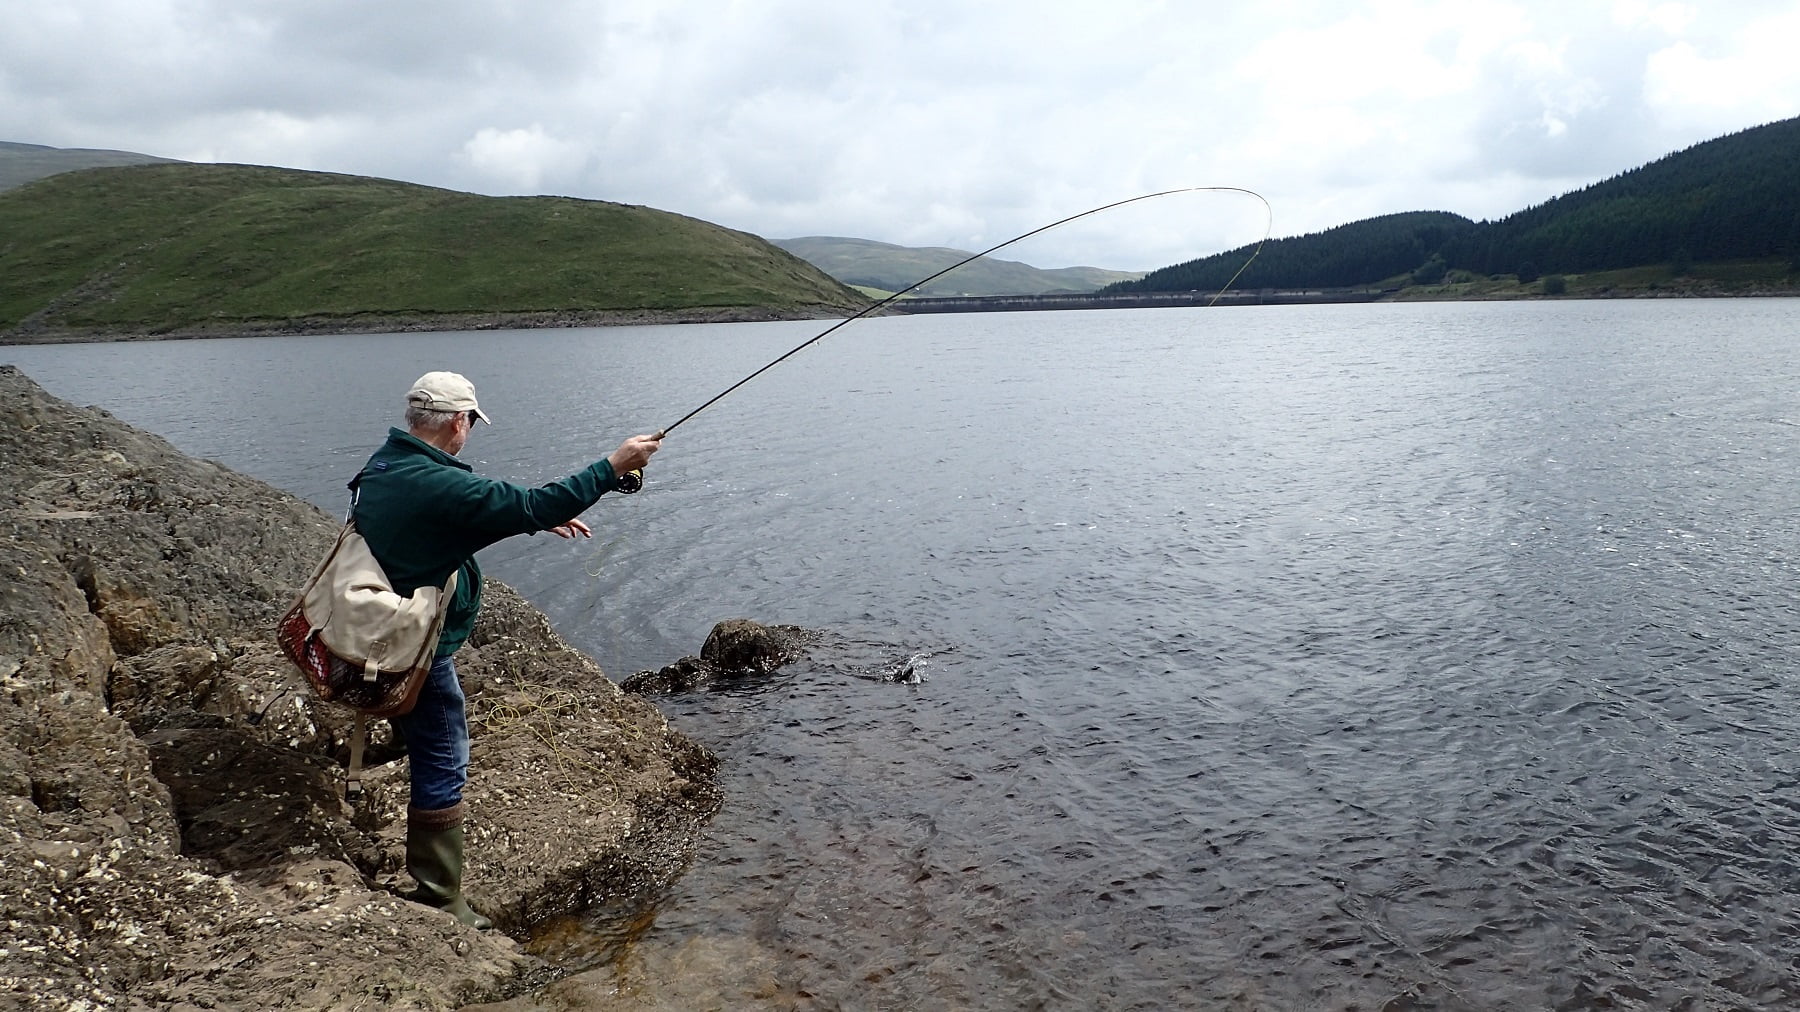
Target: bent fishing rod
<point>1268,228</point>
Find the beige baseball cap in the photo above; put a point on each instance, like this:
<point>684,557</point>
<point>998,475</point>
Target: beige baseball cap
<point>445,391</point>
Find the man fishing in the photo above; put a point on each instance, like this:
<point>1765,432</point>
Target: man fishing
<point>425,514</point>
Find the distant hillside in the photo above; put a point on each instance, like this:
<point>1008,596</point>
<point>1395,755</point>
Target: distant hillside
<point>22,163</point>
<point>175,248</point>
<point>1736,197</point>
<point>1359,253</point>
<point>891,268</point>
<point>1733,202</point>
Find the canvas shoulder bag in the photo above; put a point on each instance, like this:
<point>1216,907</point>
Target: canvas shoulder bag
<point>357,641</point>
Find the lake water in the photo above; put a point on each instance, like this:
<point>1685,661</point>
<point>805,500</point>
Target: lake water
<point>1389,656</point>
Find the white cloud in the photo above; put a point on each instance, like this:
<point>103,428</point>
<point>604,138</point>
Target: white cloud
<point>1751,72</point>
<point>522,159</point>
<point>1672,18</point>
<point>927,123</point>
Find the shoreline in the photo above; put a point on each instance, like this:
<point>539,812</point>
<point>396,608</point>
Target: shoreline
<point>423,323</point>
<point>417,323</point>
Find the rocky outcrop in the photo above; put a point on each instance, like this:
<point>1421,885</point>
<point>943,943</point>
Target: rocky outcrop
<point>171,831</point>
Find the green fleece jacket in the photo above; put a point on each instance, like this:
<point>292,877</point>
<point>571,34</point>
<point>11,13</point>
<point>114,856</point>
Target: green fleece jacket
<point>425,514</point>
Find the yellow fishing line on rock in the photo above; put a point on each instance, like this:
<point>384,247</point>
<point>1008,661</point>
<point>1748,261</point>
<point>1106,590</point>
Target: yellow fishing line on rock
<point>538,711</point>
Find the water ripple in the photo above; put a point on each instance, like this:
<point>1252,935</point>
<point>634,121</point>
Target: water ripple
<point>1376,657</point>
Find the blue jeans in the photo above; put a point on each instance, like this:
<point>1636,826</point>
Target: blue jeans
<point>437,739</point>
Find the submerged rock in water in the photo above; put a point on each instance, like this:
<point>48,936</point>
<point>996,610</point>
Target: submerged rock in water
<point>736,648</point>
<point>171,833</point>
<point>740,646</point>
<point>739,650</point>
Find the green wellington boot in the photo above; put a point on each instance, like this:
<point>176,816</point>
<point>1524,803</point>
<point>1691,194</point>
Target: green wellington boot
<point>434,857</point>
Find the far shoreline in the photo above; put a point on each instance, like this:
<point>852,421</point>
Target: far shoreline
<point>421,323</point>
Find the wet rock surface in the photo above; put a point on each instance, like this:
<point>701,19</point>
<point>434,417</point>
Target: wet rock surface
<point>740,652</point>
<point>736,649</point>
<point>171,831</point>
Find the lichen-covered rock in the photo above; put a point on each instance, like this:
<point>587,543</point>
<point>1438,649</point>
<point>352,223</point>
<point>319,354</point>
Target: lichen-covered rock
<point>742,646</point>
<point>171,835</point>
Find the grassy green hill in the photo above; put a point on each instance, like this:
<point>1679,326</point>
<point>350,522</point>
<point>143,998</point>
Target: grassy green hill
<point>189,248</point>
<point>885,267</point>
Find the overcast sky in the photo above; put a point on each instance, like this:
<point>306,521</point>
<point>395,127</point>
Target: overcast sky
<point>921,122</point>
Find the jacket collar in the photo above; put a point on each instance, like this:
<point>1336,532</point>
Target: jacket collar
<point>406,441</point>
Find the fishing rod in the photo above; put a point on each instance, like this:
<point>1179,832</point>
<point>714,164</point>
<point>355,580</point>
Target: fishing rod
<point>634,480</point>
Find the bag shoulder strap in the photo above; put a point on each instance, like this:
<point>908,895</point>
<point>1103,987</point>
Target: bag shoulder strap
<point>353,776</point>
<point>355,487</point>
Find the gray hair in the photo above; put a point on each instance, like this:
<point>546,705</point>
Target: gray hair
<point>428,420</point>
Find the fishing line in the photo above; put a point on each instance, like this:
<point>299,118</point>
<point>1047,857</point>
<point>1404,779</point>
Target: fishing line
<point>1268,227</point>
<point>600,557</point>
